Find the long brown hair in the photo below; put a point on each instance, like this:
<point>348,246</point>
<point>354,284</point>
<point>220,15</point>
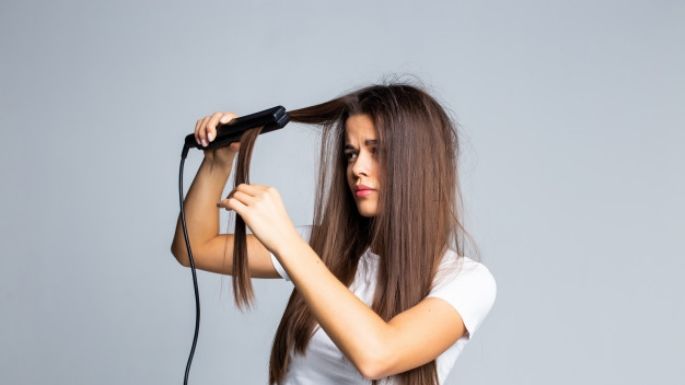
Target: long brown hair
<point>419,215</point>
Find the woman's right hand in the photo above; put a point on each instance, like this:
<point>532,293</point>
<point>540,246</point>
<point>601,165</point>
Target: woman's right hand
<point>205,132</point>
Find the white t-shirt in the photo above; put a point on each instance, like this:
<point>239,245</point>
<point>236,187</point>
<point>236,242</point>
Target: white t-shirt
<point>471,290</point>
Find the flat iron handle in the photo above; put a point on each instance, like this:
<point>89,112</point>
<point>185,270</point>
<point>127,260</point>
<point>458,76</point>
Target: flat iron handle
<point>271,118</point>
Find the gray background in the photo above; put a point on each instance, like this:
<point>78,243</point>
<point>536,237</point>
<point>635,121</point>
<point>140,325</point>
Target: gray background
<point>571,118</point>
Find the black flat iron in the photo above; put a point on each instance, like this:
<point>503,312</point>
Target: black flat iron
<point>271,119</point>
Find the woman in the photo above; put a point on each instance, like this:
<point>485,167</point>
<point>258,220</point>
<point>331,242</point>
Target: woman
<point>383,290</point>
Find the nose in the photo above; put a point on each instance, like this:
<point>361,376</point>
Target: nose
<point>362,164</point>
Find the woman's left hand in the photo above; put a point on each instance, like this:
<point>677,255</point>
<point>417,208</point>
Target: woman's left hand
<point>262,210</point>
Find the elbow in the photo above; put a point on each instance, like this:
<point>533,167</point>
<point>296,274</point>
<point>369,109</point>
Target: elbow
<point>372,371</point>
<point>374,366</point>
<point>377,362</point>
<point>179,257</point>
<point>370,374</point>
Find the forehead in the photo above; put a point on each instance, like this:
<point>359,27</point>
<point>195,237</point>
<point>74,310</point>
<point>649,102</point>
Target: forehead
<point>359,127</point>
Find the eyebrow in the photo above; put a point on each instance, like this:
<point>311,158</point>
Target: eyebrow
<point>366,142</point>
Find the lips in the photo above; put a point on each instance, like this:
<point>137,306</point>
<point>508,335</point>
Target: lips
<point>361,187</point>
<point>361,190</point>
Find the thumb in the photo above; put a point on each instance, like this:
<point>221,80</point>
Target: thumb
<point>225,119</point>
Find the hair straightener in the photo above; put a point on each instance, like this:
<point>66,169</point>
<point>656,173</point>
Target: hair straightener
<point>270,119</point>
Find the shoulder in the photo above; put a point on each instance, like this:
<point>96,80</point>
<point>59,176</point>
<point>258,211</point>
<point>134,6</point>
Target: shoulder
<point>468,285</point>
<point>455,269</point>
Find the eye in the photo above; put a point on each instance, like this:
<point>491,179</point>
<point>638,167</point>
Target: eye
<point>348,153</point>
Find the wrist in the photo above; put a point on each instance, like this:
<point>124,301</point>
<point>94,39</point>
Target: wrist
<point>293,247</point>
<point>223,160</point>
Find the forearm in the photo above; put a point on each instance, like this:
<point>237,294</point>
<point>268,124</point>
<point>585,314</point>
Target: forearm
<point>201,212</point>
<point>354,327</point>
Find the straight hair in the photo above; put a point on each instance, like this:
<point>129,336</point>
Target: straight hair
<point>419,213</point>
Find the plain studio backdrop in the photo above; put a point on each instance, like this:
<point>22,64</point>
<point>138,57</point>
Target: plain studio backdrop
<point>572,130</point>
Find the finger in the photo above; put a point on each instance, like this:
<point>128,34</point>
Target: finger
<point>235,205</point>
<point>243,197</point>
<point>252,189</point>
<point>262,187</point>
<point>257,189</point>
<point>197,131</point>
<point>223,204</point>
<point>201,131</point>
<point>227,117</point>
<point>210,129</point>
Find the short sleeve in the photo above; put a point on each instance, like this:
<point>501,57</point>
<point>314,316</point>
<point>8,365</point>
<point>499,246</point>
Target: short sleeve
<point>305,231</point>
<point>470,288</point>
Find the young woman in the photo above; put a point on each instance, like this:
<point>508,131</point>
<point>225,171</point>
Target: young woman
<point>383,291</point>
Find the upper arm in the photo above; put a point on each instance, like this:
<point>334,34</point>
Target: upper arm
<point>419,335</point>
<point>454,308</point>
<point>216,255</point>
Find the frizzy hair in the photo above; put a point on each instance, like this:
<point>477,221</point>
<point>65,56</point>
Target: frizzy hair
<point>419,210</point>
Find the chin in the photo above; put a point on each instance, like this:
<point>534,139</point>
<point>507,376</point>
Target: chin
<point>365,212</point>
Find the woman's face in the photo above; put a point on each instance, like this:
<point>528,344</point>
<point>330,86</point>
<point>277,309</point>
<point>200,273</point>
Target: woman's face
<point>361,143</point>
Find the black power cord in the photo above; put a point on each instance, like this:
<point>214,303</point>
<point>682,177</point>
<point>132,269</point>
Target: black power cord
<point>270,119</point>
<point>192,264</point>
